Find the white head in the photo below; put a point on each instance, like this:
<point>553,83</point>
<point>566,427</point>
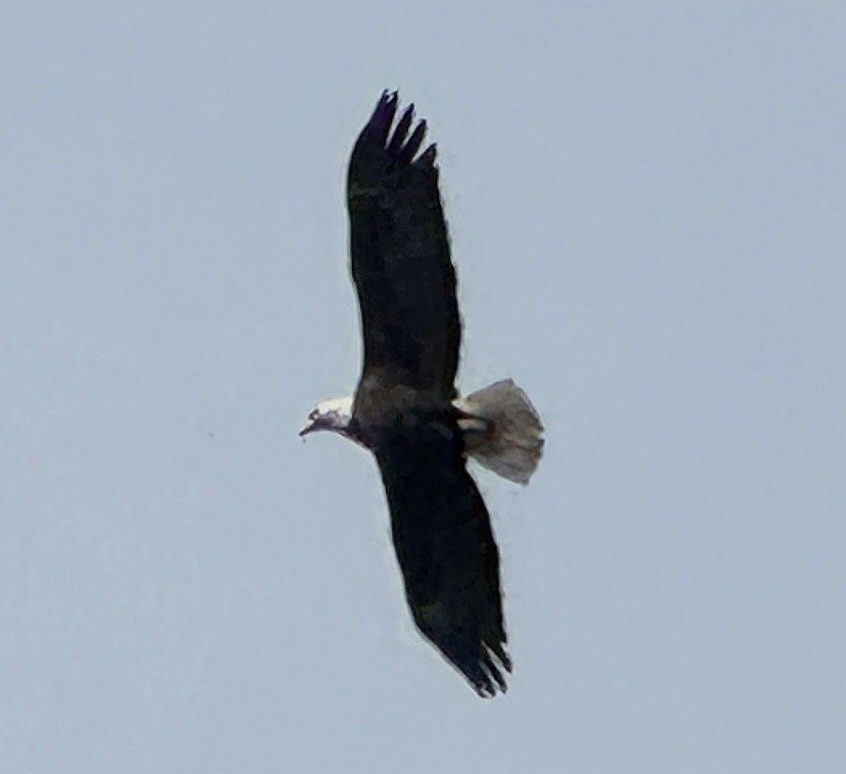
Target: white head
<point>334,414</point>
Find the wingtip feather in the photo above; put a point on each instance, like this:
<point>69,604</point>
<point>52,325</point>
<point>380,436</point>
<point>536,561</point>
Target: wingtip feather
<point>398,144</point>
<point>427,158</point>
<point>383,116</point>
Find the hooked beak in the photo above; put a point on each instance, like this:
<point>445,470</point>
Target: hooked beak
<point>314,423</point>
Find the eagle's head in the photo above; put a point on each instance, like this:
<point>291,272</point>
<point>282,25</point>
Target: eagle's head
<point>334,414</point>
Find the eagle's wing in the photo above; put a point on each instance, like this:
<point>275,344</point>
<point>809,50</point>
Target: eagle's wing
<point>446,550</point>
<point>400,255</point>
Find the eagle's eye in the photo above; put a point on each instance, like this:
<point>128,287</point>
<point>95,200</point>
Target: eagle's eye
<point>312,416</point>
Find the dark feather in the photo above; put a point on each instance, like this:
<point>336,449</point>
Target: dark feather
<point>401,131</point>
<point>446,550</point>
<point>400,255</point>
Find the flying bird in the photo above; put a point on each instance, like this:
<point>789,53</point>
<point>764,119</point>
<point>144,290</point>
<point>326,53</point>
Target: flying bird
<point>406,409</point>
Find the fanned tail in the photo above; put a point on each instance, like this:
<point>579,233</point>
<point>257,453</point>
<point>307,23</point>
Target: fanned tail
<point>502,430</point>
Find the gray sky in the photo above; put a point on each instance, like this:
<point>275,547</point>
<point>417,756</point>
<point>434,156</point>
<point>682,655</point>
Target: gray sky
<point>647,209</point>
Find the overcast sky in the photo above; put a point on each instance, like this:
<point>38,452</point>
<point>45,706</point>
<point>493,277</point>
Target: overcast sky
<point>647,206</point>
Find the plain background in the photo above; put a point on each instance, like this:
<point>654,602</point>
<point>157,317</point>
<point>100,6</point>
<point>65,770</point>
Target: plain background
<point>647,209</point>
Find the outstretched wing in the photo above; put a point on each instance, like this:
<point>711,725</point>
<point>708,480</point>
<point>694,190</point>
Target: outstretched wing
<point>400,255</point>
<point>446,550</point>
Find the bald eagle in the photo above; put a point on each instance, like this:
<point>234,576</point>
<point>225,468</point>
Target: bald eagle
<point>406,410</point>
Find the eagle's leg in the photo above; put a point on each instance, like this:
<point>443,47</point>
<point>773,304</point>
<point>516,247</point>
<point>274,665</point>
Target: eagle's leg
<point>473,423</point>
<point>475,430</point>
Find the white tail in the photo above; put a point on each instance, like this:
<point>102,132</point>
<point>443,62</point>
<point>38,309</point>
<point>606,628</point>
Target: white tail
<point>502,430</point>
